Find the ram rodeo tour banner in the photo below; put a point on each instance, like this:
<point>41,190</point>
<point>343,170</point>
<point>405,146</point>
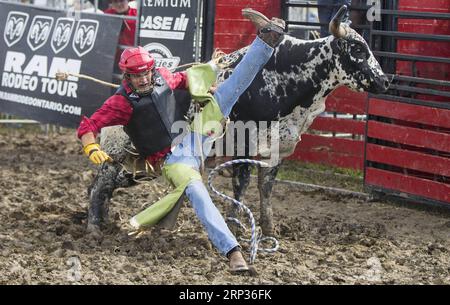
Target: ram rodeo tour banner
<point>36,44</point>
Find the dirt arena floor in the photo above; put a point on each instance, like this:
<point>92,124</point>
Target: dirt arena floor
<point>323,239</point>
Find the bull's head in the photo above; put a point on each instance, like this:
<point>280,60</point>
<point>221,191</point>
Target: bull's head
<point>355,62</point>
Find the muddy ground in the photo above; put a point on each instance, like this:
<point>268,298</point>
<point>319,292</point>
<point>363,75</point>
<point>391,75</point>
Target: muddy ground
<point>323,239</point>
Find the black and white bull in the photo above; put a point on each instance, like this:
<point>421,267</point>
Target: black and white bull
<point>291,88</point>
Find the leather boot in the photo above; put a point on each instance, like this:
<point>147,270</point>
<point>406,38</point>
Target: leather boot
<point>237,261</point>
<point>270,31</point>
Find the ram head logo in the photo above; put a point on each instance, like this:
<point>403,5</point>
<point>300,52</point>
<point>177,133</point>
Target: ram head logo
<point>39,31</point>
<point>14,27</point>
<point>61,34</point>
<point>85,36</point>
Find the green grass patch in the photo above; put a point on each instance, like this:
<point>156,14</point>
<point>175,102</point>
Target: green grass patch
<point>321,175</point>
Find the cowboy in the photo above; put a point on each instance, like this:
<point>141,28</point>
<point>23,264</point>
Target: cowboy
<point>144,104</point>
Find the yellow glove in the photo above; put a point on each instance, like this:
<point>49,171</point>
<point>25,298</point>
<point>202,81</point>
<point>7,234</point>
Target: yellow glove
<point>95,154</point>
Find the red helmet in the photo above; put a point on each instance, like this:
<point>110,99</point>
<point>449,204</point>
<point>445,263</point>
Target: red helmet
<point>136,60</point>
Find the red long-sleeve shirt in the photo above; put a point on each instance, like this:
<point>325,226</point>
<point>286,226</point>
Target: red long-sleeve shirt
<point>117,110</point>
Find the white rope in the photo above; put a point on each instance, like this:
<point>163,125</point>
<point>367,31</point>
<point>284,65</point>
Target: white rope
<point>256,238</point>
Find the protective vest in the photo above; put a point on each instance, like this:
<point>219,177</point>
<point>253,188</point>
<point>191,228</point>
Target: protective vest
<point>150,124</point>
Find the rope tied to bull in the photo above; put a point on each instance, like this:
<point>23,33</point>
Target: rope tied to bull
<point>256,237</point>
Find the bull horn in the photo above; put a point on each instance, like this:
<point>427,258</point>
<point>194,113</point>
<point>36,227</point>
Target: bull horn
<point>335,27</point>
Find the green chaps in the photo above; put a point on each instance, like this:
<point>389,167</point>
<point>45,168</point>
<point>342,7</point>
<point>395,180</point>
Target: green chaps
<point>179,175</point>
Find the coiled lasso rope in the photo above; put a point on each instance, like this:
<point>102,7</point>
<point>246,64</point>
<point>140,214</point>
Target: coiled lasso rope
<point>256,238</point>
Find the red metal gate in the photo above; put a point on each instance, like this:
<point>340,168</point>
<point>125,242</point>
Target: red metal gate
<point>408,129</point>
<point>410,152</point>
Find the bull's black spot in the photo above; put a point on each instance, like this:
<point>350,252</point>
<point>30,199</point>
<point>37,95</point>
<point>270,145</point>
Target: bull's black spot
<point>322,72</point>
<point>290,89</point>
<point>287,44</point>
<point>306,93</point>
<point>315,52</point>
<point>279,90</point>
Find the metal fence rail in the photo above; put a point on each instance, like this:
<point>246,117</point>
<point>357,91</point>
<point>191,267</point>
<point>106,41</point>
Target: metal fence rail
<point>411,88</point>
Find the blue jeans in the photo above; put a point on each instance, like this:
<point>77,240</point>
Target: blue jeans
<point>188,152</point>
<point>326,13</point>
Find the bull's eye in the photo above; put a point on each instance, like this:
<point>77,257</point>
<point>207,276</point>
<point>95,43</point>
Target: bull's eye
<point>359,51</point>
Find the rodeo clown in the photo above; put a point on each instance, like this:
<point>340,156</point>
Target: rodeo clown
<point>144,104</point>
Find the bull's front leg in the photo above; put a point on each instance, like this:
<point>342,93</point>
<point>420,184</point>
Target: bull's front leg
<point>240,181</point>
<point>266,179</point>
